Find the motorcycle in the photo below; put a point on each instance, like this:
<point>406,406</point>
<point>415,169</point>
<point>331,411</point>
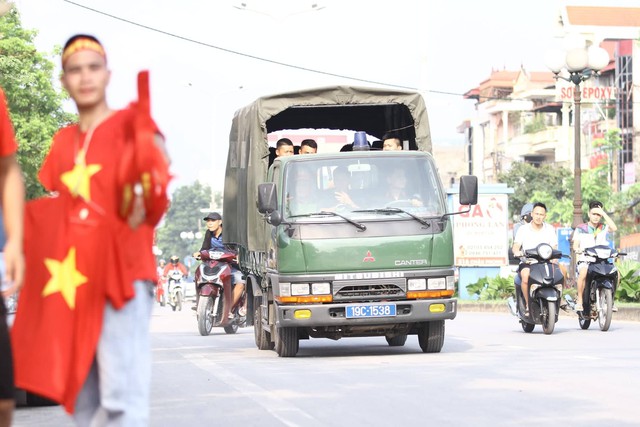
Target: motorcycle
<point>175,289</point>
<point>215,293</point>
<point>545,290</point>
<point>600,287</point>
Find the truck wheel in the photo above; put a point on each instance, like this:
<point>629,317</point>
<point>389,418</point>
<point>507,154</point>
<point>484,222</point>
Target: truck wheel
<point>397,341</point>
<point>431,336</point>
<point>286,341</point>
<point>262,337</point>
<point>204,314</point>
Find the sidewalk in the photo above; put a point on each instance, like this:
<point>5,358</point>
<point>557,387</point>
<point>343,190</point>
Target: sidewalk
<point>624,313</point>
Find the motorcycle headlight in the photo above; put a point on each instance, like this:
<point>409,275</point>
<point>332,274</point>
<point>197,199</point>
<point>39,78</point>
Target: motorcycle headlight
<point>545,251</point>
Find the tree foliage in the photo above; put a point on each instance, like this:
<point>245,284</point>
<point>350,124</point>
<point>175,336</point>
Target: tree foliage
<point>26,76</point>
<point>527,179</point>
<point>184,215</point>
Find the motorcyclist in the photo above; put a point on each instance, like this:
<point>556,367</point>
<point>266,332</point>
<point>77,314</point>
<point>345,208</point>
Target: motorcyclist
<point>587,235</point>
<point>174,264</point>
<point>213,241</point>
<point>525,218</point>
<point>529,236</point>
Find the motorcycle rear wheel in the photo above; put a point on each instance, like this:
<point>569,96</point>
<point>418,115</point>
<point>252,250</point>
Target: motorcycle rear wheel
<point>549,319</point>
<point>605,308</point>
<point>204,314</point>
<point>527,327</point>
<point>232,328</point>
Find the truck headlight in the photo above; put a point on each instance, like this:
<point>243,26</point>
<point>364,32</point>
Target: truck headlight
<point>299,289</point>
<point>416,284</point>
<point>437,283</point>
<point>451,283</point>
<point>285,289</point>
<point>322,288</point>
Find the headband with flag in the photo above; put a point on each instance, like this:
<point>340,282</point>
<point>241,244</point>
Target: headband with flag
<point>82,43</point>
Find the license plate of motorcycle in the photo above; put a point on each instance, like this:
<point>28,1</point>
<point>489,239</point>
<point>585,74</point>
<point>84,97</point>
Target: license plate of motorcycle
<point>370,310</point>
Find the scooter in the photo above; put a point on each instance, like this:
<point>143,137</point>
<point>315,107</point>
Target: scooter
<point>175,289</point>
<point>215,294</point>
<point>600,287</point>
<point>545,290</point>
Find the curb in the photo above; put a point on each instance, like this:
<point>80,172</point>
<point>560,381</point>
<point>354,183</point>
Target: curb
<point>624,313</point>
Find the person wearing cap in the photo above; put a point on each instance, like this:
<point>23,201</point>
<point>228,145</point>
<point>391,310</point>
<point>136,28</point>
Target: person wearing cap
<point>85,166</point>
<point>12,201</point>
<point>213,241</point>
<point>589,234</point>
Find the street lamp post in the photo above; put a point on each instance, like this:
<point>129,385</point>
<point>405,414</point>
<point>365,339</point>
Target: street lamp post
<point>581,62</point>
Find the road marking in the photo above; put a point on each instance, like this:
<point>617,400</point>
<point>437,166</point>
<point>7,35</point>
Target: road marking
<point>281,409</point>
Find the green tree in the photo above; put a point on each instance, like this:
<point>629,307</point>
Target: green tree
<point>35,104</point>
<point>184,215</point>
<point>527,179</point>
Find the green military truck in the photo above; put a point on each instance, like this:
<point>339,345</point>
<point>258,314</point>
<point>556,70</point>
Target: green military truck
<point>344,243</point>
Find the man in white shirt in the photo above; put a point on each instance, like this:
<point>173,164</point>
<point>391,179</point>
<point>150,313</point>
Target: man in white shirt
<point>588,235</point>
<point>529,236</point>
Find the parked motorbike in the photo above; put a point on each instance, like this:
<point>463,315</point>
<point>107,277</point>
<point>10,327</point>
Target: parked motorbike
<point>545,290</point>
<point>600,287</point>
<point>215,294</point>
<point>175,289</point>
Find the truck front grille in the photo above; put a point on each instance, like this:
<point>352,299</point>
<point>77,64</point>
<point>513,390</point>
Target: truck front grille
<point>369,289</point>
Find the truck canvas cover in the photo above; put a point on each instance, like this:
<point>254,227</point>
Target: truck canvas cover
<point>375,111</point>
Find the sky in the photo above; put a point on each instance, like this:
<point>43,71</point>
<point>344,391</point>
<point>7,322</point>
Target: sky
<point>209,58</point>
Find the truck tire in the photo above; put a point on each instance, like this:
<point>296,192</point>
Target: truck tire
<point>431,336</point>
<point>397,341</point>
<point>286,341</point>
<point>262,337</point>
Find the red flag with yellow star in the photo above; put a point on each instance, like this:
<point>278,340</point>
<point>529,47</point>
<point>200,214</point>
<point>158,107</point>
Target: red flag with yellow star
<point>143,163</point>
<point>61,305</point>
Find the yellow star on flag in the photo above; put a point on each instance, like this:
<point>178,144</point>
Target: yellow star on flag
<point>65,278</point>
<point>78,179</point>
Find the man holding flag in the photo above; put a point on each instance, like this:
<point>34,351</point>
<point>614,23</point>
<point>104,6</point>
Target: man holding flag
<point>81,334</point>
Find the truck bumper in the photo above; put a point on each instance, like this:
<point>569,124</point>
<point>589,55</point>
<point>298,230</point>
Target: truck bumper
<point>332,315</point>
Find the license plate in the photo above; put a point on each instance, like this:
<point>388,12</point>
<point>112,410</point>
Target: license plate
<point>371,310</point>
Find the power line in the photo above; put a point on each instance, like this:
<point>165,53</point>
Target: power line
<point>283,64</point>
<point>234,52</point>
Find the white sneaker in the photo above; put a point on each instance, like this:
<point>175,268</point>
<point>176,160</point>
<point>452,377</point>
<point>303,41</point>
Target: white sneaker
<point>578,307</point>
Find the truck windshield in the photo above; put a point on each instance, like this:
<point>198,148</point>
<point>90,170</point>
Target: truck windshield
<point>363,186</point>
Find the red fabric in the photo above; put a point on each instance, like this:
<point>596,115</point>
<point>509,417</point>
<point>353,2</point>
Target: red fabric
<point>180,266</point>
<point>110,141</point>
<point>55,333</point>
<point>7,139</point>
<point>55,338</point>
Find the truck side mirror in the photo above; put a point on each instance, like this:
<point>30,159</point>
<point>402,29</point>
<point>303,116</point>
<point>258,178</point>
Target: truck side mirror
<point>468,190</point>
<point>267,198</point>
